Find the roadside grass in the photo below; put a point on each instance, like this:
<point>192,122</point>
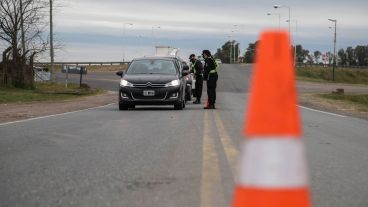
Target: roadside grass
<point>360,100</point>
<point>45,92</point>
<point>324,74</point>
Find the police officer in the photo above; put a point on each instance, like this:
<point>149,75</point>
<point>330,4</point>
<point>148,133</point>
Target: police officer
<point>197,69</point>
<point>210,74</point>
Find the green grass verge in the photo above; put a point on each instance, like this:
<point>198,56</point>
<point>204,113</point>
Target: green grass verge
<point>360,99</point>
<point>44,92</point>
<point>342,75</point>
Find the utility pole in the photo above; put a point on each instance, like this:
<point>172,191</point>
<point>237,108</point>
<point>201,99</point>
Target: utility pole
<point>334,56</point>
<point>334,65</point>
<point>51,43</point>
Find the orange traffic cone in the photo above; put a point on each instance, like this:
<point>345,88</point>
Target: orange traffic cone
<point>272,170</point>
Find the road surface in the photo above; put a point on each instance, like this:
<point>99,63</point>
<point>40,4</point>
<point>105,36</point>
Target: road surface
<point>160,157</point>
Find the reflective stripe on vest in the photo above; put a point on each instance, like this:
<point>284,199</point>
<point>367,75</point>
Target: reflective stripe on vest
<point>193,67</point>
<point>216,68</point>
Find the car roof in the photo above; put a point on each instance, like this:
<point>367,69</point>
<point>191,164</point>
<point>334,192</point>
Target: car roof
<point>158,58</point>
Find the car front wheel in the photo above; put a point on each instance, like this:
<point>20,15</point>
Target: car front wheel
<point>123,107</point>
<point>180,105</point>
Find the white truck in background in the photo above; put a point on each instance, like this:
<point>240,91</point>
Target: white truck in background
<point>166,50</point>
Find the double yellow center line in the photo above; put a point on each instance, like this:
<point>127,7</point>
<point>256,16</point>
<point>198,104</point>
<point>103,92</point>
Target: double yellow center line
<point>212,193</point>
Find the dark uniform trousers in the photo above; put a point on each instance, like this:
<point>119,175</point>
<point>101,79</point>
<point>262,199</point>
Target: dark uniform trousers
<point>211,88</point>
<point>198,87</point>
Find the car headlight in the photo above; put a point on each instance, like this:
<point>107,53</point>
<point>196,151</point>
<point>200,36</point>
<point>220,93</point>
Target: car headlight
<point>173,83</point>
<point>125,83</point>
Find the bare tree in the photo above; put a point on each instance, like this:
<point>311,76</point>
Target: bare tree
<point>22,23</point>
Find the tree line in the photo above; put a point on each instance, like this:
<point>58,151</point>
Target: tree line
<point>229,52</point>
<point>351,56</point>
<point>22,25</point>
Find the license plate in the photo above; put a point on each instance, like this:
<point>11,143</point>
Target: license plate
<point>148,93</point>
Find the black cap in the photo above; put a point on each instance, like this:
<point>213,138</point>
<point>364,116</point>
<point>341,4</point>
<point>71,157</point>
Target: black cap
<point>191,56</point>
<point>206,52</point>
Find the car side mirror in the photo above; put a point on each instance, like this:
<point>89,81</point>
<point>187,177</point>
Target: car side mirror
<point>185,70</point>
<point>120,73</point>
<point>185,67</point>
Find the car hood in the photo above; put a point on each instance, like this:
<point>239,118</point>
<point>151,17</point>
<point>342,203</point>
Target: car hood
<point>153,78</point>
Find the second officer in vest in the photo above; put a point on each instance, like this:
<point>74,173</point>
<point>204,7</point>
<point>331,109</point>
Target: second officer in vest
<point>197,69</point>
<point>210,74</point>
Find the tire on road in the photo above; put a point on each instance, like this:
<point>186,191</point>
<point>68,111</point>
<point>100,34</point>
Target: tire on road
<point>180,105</point>
<point>123,107</point>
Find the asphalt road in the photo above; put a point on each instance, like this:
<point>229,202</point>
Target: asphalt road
<point>157,156</point>
<point>110,81</point>
<point>104,80</point>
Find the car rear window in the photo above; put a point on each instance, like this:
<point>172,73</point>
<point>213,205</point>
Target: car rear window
<point>152,67</point>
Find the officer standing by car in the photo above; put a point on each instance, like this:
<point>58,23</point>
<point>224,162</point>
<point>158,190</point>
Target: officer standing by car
<point>197,69</point>
<point>210,74</point>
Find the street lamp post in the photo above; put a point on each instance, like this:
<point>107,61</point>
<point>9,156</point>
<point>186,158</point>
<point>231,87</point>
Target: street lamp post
<point>334,57</point>
<point>129,24</point>
<point>231,49</point>
<point>278,14</point>
<point>296,24</point>
<point>296,31</point>
<point>279,6</point>
<point>234,54</point>
<point>232,46</point>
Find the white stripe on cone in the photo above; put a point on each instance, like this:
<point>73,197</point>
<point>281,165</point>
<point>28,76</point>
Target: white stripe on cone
<point>273,163</point>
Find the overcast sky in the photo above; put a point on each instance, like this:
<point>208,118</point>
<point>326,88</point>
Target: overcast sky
<point>93,30</point>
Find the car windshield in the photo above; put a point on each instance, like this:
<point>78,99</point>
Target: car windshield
<point>152,67</point>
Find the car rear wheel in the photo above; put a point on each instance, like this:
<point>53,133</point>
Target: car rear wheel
<point>188,94</point>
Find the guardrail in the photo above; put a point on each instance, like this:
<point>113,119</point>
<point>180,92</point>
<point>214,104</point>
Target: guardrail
<point>80,63</point>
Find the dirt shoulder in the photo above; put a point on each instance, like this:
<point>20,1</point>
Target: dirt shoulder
<point>18,111</point>
<point>314,87</point>
<point>308,97</point>
<point>335,106</point>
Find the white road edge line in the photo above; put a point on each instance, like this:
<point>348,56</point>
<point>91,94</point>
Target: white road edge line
<point>324,112</point>
<point>53,115</point>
